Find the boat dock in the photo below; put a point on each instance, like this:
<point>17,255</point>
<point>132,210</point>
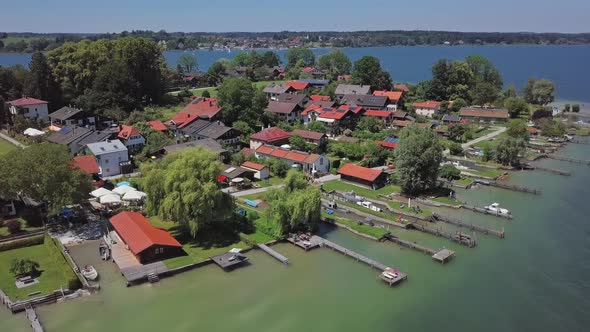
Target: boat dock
<point>317,241</point>
<point>273,253</point>
<point>509,186</point>
<point>569,160</point>
<point>461,239</point>
<point>477,228</point>
<point>484,211</point>
<point>33,318</point>
<point>552,170</point>
<point>443,255</point>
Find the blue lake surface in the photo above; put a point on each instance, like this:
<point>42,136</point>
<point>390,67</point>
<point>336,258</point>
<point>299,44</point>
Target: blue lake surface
<point>568,66</point>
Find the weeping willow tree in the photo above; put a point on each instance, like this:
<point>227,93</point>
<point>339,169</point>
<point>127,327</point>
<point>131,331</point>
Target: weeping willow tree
<point>183,187</point>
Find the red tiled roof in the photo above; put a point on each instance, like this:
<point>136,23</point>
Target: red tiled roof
<point>127,131</point>
<point>86,164</point>
<point>533,130</point>
<point>401,123</point>
<point>312,107</point>
<point>265,149</point>
<point>157,125</point>
<point>391,95</point>
<point>354,109</point>
<point>307,134</point>
<point>296,156</point>
<point>182,119</point>
<point>139,234</point>
<point>319,98</point>
<point>281,107</point>
<point>360,172</point>
<point>256,166</point>
<point>27,101</point>
<point>401,87</point>
<point>270,135</point>
<point>308,69</point>
<point>297,85</point>
<point>389,145</point>
<point>204,108</point>
<point>427,104</point>
<point>484,113</point>
<point>379,114</point>
<point>332,113</point>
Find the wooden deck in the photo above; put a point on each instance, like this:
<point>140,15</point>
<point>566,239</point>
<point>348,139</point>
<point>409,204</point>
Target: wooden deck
<point>229,260</point>
<point>443,255</point>
<point>313,243</point>
<point>130,267</point>
<point>274,253</point>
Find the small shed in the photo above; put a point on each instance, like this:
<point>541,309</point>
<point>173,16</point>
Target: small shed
<point>261,172</point>
<point>368,177</point>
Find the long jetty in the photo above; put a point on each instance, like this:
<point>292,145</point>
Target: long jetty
<point>273,253</point>
<point>466,241</point>
<point>569,160</point>
<point>509,187</point>
<point>484,211</point>
<point>477,228</point>
<point>33,318</point>
<point>552,170</point>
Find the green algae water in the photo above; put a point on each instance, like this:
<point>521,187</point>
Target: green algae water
<point>536,279</point>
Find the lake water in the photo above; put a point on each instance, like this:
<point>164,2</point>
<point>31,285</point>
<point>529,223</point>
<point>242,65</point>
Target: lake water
<point>567,66</point>
<point>536,279</point>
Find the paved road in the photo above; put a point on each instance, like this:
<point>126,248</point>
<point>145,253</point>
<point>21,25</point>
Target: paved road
<point>484,138</point>
<point>12,141</point>
<point>251,191</point>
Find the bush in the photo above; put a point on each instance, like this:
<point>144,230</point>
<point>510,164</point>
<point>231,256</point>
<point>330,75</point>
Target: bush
<point>27,242</point>
<point>576,108</point>
<point>450,172</point>
<point>456,149</point>
<point>23,267</point>
<point>13,226</point>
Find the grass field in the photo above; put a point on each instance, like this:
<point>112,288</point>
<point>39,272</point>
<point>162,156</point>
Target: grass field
<point>163,113</point>
<point>465,181</point>
<point>362,191</point>
<point>6,146</point>
<point>55,271</point>
<point>365,229</point>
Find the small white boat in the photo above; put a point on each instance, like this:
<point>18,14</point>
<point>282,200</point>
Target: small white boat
<point>89,272</point>
<point>495,207</point>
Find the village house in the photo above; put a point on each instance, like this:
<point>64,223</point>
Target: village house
<point>30,108</point>
<point>112,157</point>
<point>318,98</point>
<point>451,119</point>
<point>389,143</point>
<point>297,85</point>
<point>272,136</point>
<point>278,71</point>
<point>350,89</point>
<point>235,175</point>
<point>314,72</point>
<point>368,102</point>
<point>273,90</point>
<point>200,108</point>
<point>206,143</point>
<point>384,116</point>
<point>68,116</point>
<point>401,87</point>
<point>394,98</point>
<point>366,177</point>
<point>294,98</point>
<point>157,125</point>
<point>490,115</point>
<point>88,165</point>
<point>98,136</point>
<point>336,119</point>
<point>222,134</point>
<point>311,136</point>
<point>131,137</point>
<point>261,172</point>
<point>427,108</point>
<point>71,137</point>
<point>310,163</point>
<point>285,111</point>
<point>400,115</point>
<point>315,83</point>
<point>146,242</point>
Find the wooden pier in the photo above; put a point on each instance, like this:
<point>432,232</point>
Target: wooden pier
<point>443,255</point>
<point>552,170</point>
<point>473,227</point>
<point>569,160</point>
<point>273,253</point>
<point>33,318</point>
<point>509,187</point>
<point>484,211</point>
<point>463,240</point>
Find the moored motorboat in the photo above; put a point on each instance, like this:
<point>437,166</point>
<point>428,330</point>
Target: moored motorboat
<point>89,272</point>
<point>495,207</point>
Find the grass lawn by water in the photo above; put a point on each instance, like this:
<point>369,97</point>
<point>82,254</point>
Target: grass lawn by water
<point>492,173</point>
<point>362,191</point>
<point>465,181</point>
<point>55,271</point>
<point>6,147</point>
<point>365,229</point>
<point>446,200</point>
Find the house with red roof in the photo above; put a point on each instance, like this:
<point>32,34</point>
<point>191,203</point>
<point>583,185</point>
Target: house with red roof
<point>309,162</point>
<point>427,108</point>
<point>30,108</point>
<point>384,116</point>
<point>86,164</point>
<point>491,115</point>
<point>297,85</point>
<point>394,98</point>
<point>261,172</point>
<point>401,87</point>
<point>271,136</point>
<point>313,72</point>
<point>319,98</point>
<point>203,108</point>
<point>366,177</point>
<point>131,137</point>
<point>146,242</point>
<point>157,125</point>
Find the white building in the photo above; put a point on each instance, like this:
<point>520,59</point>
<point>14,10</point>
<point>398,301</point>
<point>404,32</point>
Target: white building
<point>30,108</point>
<point>110,155</point>
<point>309,163</point>
<point>261,172</point>
<point>427,109</point>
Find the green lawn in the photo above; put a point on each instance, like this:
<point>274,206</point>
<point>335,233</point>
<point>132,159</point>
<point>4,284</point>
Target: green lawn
<point>365,229</point>
<point>6,146</point>
<point>199,92</point>
<point>362,191</point>
<point>492,173</point>
<point>55,271</point>
<point>24,229</point>
<point>272,181</point>
<point>465,181</point>
<point>163,113</point>
<point>446,200</point>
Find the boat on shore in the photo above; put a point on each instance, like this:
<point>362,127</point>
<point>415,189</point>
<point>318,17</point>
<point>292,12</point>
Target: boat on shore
<point>89,272</point>
<point>495,208</point>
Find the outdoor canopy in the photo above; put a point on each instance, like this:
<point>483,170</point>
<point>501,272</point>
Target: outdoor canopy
<point>110,199</point>
<point>122,190</point>
<point>134,195</point>
<point>100,192</point>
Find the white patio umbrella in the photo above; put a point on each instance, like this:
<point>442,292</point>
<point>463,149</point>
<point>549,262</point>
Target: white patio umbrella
<point>33,132</point>
<point>110,199</point>
<point>122,190</point>
<point>134,195</point>
<point>100,192</point>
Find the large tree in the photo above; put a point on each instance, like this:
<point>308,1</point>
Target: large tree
<point>183,188</point>
<point>187,62</point>
<point>509,150</point>
<point>240,101</point>
<point>335,63</point>
<point>540,92</point>
<point>367,71</point>
<point>417,157</point>
<point>41,83</point>
<point>44,173</point>
<point>296,54</point>
<point>294,208</point>
<point>516,106</point>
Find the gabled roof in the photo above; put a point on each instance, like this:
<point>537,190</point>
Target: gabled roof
<point>388,145</point>
<point>86,164</point>
<point>391,95</point>
<point>97,136</point>
<point>204,108</point>
<point>100,148</point>
<point>315,81</point>
<point>182,120</point>
<point>431,104</point>
<point>350,89</point>
<point>484,113</point>
<point>451,118</point>
<point>280,107</point>
<point>292,98</point>
<point>139,234</point>
<point>69,134</point>
<point>308,69</point>
<point>365,100</point>
<point>297,85</point>
<point>400,114</point>
<point>308,134</point>
<point>215,130</point>
<point>352,108</point>
<point>194,127</point>
<point>360,172</point>
<point>333,113</point>
<point>270,135</point>
<point>252,165</point>
<point>379,114</point>
<point>319,98</point>
<point>65,113</point>
<point>295,156</point>
<point>277,88</point>
<point>401,87</point>
<point>157,125</point>
<point>127,131</point>
<point>205,143</point>
<point>27,102</point>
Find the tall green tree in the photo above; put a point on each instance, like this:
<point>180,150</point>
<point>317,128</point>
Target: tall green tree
<point>335,62</point>
<point>296,54</point>
<point>241,101</point>
<point>540,92</point>
<point>41,83</point>
<point>517,128</point>
<point>367,71</point>
<point>188,63</point>
<point>418,156</point>
<point>516,106</point>
<point>183,188</point>
<point>509,150</point>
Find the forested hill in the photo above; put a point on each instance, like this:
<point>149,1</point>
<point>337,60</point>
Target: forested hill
<point>29,42</point>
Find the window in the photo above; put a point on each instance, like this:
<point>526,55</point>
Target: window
<point>321,161</point>
<point>106,161</point>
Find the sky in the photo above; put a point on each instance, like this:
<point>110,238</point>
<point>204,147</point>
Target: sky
<point>302,15</point>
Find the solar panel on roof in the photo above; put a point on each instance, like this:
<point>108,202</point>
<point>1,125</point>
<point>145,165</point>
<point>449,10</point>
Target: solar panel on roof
<point>65,130</point>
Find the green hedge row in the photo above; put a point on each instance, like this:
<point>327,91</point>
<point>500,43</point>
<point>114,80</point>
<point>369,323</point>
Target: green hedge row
<point>26,242</point>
